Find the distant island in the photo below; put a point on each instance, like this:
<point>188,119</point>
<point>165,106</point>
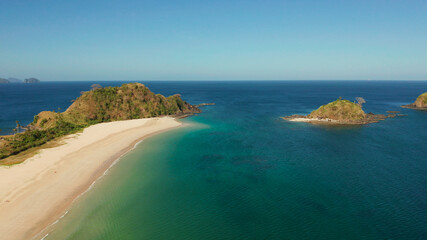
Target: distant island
<point>31,80</point>
<point>420,103</point>
<point>130,101</point>
<point>16,80</point>
<point>340,112</point>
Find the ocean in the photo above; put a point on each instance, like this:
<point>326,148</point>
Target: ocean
<point>238,171</point>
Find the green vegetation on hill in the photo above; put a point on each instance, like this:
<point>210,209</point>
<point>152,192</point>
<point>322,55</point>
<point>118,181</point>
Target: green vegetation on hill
<point>341,110</point>
<point>17,143</point>
<point>421,101</point>
<point>130,101</point>
<point>2,80</point>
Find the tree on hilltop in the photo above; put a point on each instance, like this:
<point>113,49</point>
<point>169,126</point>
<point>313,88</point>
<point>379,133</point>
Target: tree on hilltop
<point>96,86</point>
<point>360,101</point>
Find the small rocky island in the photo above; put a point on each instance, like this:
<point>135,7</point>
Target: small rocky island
<point>31,80</point>
<point>16,80</point>
<point>420,103</point>
<point>340,112</point>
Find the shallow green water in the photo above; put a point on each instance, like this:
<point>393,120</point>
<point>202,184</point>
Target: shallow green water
<point>238,171</point>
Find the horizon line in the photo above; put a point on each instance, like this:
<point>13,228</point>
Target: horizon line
<point>233,80</point>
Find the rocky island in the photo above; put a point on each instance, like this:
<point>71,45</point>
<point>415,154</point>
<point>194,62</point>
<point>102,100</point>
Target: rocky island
<point>31,80</point>
<point>420,103</point>
<point>16,80</point>
<point>130,101</point>
<point>340,112</point>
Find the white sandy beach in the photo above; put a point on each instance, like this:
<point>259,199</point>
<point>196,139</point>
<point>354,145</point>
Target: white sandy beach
<point>326,120</point>
<point>34,194</point>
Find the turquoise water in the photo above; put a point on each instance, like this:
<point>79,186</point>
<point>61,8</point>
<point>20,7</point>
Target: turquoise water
<point>237,171</point>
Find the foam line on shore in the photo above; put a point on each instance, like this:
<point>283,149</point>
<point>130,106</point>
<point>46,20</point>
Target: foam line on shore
<point>47,229</point>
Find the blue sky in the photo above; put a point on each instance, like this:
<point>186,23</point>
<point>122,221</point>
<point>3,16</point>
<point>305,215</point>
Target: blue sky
<point>213,40</point>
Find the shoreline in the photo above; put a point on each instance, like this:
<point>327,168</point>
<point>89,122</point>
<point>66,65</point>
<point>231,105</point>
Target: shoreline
<point>414,107</point>
<point>371,118</point>
<point>39,192</point>
<point>324,121</point>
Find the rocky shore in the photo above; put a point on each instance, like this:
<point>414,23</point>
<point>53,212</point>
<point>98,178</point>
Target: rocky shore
<point>370,118</point>
<point>419,104</point>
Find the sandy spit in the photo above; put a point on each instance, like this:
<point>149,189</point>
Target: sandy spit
<point>326,120</point>
<point>37,192</point>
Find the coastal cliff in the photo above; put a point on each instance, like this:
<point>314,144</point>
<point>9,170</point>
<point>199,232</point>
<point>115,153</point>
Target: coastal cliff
<point>130,101</point>
<point>2,80</point>
<point>420,103</point>
<point>339,112</point>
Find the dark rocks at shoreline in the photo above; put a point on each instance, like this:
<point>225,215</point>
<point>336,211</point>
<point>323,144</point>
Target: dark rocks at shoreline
<point>204,104</point>
<point>419,104</point>
<point>413,106</point>
<point>294,117</point>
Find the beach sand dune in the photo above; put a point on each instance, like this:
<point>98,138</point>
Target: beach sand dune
<point>36,193</point>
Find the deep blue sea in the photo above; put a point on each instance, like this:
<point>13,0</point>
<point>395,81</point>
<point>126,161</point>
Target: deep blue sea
<point>238,171</point>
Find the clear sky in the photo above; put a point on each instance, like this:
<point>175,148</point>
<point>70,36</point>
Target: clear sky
<point>213,40</point>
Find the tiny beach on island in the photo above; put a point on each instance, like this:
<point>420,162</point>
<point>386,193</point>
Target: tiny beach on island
<point>341,112</point>
<point>37,192</point>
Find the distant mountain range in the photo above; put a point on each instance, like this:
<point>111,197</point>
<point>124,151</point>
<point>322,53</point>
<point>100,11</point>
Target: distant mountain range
<point>16,80</point>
